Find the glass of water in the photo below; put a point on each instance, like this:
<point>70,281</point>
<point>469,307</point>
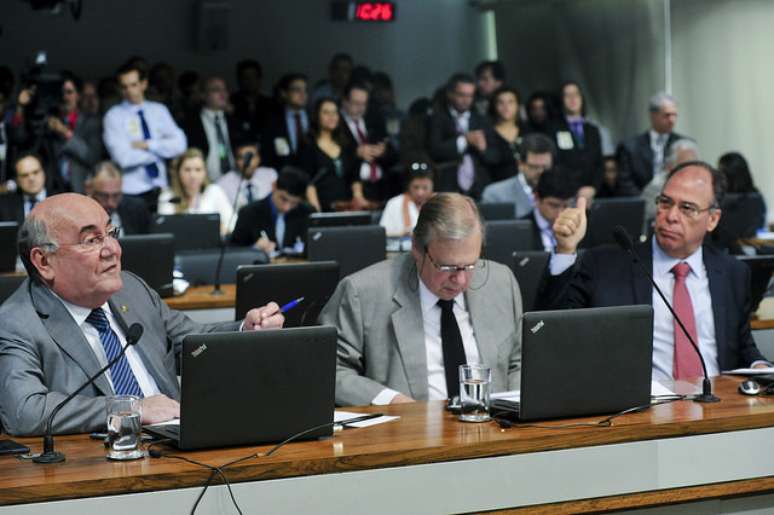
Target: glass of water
<point>124,427</point>
<point>475,381</point>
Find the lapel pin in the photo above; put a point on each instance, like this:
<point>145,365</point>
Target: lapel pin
<point>124,309</point>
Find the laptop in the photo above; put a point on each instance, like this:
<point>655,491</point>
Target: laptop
<point>282,283</point>
<point>504,237</point>
<point>200,266</point>
<point>606,213</point>
<point>338,219</point>
<point>354,248</point>
<point>529,267</point>
<point>583,362</point>
<point>497,211</point>
<point>254,387</point>
<point>761,269</point>
<point>8,249</point>
<point>192,231</point>
<point>157,272</point>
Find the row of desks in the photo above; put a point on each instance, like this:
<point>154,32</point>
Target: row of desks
<point>428,462</point>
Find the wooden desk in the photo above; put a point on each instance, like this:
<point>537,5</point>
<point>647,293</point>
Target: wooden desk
<point>427,461</point>
<point>201,297</point>
<point>764,317</point>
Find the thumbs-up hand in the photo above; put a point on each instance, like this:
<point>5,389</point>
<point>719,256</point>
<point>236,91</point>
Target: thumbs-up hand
<point>570,227</point>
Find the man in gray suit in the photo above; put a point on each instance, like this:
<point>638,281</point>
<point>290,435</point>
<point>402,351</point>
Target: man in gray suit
<point>538,153</point>
<point>71,316</point>
<point>406,324</point>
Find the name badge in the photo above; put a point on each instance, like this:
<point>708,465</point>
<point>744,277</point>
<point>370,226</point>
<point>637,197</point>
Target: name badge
<point>564,140</point>
<point>281,147</point>
<point>134,128</point>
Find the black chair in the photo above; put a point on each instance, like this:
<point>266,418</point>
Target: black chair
<point>761,269</point>
<point>504,237</point>
<point>9,284</point>
<point>199,266</point>
<point>606,213</point>
<point>529,267</point>
<point>157,272</point>
<point>192,232</point>
<point>8,250</point>
<point>497,211</point>
<point>354,247</point>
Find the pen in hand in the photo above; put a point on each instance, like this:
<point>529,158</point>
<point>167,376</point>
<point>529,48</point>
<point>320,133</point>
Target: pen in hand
<point>290,305</point>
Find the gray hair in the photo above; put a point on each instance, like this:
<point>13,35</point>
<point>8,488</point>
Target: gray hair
<point>108,168</point>
<point>33,233</point>
<point>657,100</point>
<point>447,216</point>
<point>672,153</point>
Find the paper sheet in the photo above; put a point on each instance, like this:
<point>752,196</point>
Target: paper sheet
<point>340,416</point>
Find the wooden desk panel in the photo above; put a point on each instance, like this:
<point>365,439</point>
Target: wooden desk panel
<point>201,297</point>
<point>424,434</point>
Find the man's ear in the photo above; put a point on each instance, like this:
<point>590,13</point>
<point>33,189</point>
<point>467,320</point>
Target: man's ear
<point>714,218</point>
<point>42,262</point>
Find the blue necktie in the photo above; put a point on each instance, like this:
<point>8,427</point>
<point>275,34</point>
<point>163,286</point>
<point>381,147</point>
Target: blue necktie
<point>152,169</point>
<point>250,197</point>
<point>124,382</point>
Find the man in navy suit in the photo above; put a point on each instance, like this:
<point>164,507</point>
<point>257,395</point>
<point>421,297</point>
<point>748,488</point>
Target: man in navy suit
<point>30,178</point>
<point>718,286</point>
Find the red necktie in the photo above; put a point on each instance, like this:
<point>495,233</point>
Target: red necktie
<point>362,140</point>
<point>686,361</point>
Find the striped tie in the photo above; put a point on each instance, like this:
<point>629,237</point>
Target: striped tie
<point>124,382</point>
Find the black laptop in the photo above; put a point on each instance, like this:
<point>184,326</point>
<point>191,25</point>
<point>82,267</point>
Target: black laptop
<point>200,266</point>
<point>353,248</point>
<point>8,250</point>
<point>283,283</point>
<point>192,232</point>
<point>152,257</point>
<point>338,219</point>
<point>497,211</point>
<point>529,267</point>
<point>504,237</point>
<point>606,213</point>
<point>254,387</point>
<point>582,362</point>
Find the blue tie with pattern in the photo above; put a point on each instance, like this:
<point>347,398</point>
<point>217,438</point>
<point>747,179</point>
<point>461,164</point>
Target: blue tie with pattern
<point>124,382</point>
<point>152,169</point>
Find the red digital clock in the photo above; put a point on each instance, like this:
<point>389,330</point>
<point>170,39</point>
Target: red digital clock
<point>363,11</point>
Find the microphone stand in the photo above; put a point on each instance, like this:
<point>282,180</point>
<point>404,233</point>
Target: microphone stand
<point>216,290</point>
<point>623,239</point>
<point>49,455</point>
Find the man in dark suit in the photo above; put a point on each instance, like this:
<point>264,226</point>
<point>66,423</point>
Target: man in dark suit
<point>457,141</point>
<point>30,181</point>
<point>552,196</point>
<point>642,156</point>
<point>367,134</point>
<point>284,133</point>
<point>128,213</point>
<point>212,129</point>
<point>709,291</point>
<point>278,221</point>
<point>251,106</point>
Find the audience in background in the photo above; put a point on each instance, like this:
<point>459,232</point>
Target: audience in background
<point>538,153</point>
<point>283,134</point>
<point>251,180</point>
<point>280,220</point>
<point>330,163</point>
<point>339,75</point>
<point>609,186</point>
<point>680,151</point>
<point>506,137</point>
<point>552,196</point>
<point>127,213</point>
<point>642,156</point>
<point>458,142</point>
<point>539,113</point>
<point>251,106</point>
<point>212,128</point>
<point>382,104</point>
<point>490,76</point>
<point>578,141</point>
<point>192,192</point>
<point>90,100</point>
<point>140,135</point>
<point>401,212</point>
<point>30,189</point>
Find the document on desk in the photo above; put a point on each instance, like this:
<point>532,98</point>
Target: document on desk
<point>341,416</point>
<point>749,371</point>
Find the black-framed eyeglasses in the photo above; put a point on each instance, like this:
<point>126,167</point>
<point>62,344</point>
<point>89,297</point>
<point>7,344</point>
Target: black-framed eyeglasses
<point>688,209</point>
<point>449,269</point>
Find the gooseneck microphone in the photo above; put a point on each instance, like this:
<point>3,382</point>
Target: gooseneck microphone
<point>625,242</point>
<point>49,455</point>
<point>218,269</point>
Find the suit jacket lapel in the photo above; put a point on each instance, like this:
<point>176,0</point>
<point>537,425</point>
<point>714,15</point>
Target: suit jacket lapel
<point>67,335</point>
<point>483,325</point>
<point>715,276</point>
<point>409,330</point>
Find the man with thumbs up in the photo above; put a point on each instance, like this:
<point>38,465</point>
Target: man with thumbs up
<point>709,291</point>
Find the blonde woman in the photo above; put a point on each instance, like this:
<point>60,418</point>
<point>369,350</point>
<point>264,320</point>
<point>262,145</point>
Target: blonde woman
<point>192,192</point>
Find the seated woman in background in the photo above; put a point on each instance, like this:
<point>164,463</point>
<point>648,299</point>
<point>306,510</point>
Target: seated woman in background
<point>329,162</point>
<point>401,212</point>
<point>506,137</point>
<point>192,192</point>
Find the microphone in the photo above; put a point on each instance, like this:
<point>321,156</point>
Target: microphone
<point>248,156</point>
<point>49,455</point>
<point>625,242</point>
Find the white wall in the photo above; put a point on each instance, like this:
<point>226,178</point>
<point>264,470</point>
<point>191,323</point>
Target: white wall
<point>430,40</point>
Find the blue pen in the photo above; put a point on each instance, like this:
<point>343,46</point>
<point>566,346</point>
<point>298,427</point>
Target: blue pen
<point>290,305</point>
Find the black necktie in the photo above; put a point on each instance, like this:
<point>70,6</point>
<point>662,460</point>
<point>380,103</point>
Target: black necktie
<point>225,165</point>
<point>453,350</point>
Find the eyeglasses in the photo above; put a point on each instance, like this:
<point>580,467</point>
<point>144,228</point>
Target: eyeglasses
<point>448,269</point>
<point>688,209</point>
<point>93,243</point>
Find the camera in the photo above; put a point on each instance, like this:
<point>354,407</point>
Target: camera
<point>47,97</point>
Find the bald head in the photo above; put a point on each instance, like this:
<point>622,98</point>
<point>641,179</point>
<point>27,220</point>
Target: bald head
<point>63,210</point>
<point>447,216</point>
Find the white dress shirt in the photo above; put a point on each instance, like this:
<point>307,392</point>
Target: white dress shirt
<point>211,200</point>
<point>122,127</point>
<point>144,379</point>
<point>546,231</point>
<point>392,215</point>
<point>208,118</point>
<point>261,181</point>
<point>658,146</point>
<point>40,197</point>
<point>462,122</point>
<point>431,316</point>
